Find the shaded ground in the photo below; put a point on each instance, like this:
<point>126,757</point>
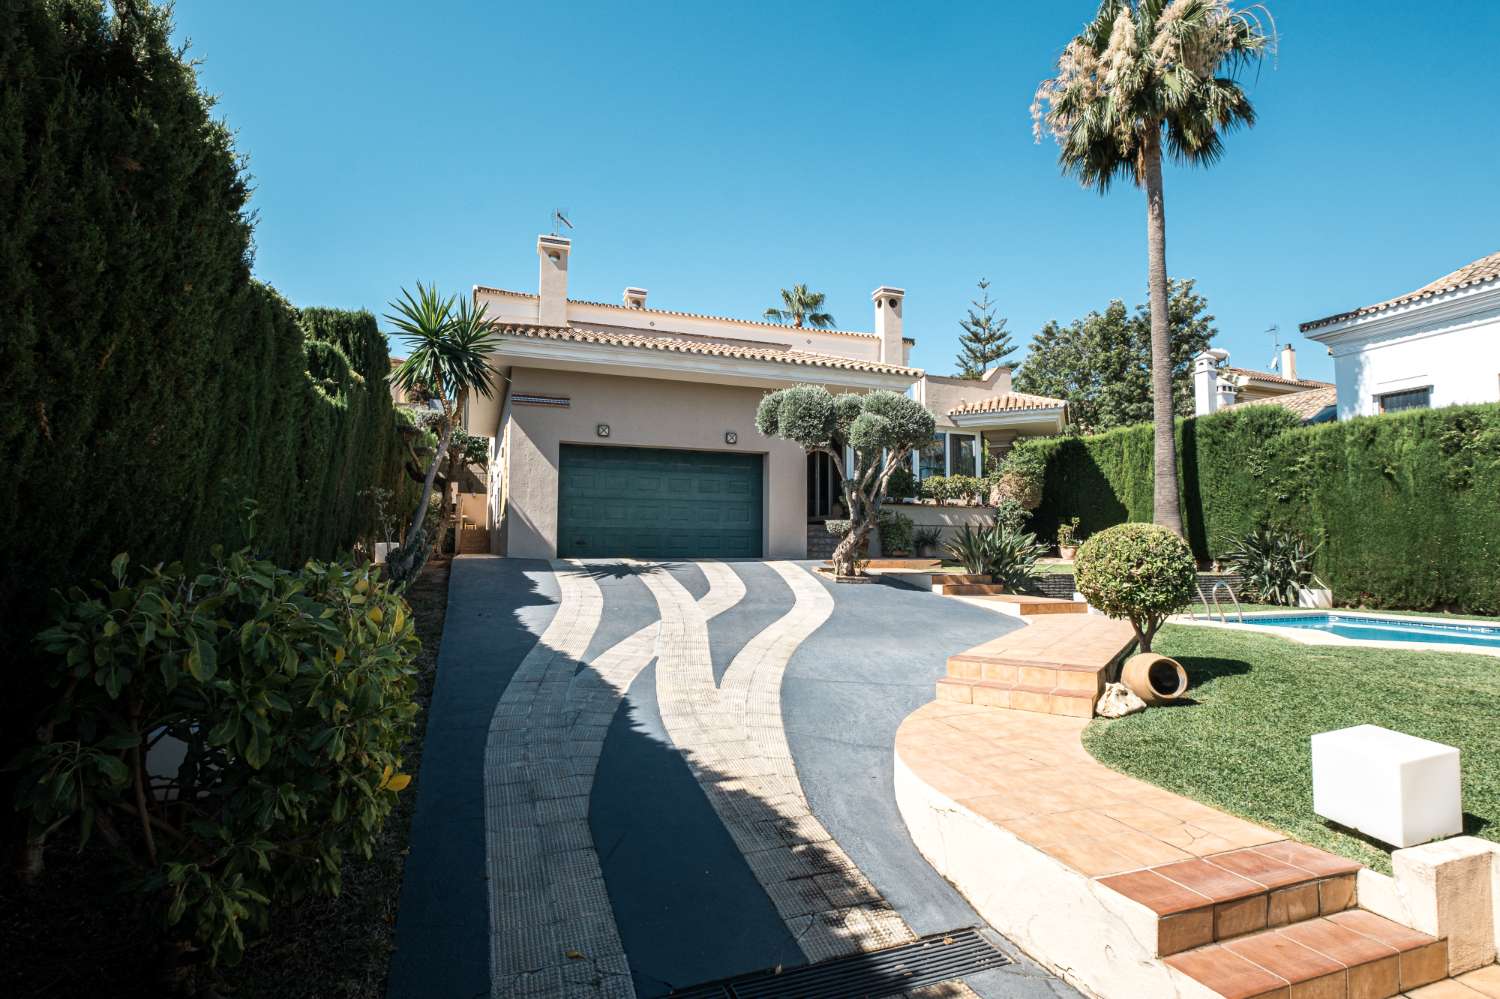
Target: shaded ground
<point>73,936</point>
<point>1243,744</point>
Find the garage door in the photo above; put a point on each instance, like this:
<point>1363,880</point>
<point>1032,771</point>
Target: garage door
<point>658,503</point>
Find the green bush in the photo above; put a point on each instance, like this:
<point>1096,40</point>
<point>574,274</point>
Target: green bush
<point>1407,505</point>
<point>935,488</point>
<point>1140,572</point>
<point>926,539</point>
<point>1022,473</point>
<point>150,383</point>
<point>902,485</point>
<point>965,489</point>
<point>895,532</point>
<point>1274,565</point>
<point>291,692</point>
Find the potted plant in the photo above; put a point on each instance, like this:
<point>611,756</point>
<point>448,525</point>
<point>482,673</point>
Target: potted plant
<point>925,540</point>
<point>1067,539</point>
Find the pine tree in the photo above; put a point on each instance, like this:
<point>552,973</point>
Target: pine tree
<point>985,339</point>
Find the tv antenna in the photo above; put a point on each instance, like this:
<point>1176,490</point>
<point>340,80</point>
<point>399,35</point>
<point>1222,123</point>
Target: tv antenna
<point>560,217</point>
<point>1275,334</point>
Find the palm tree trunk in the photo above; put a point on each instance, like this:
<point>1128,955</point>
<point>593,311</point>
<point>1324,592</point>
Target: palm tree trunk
<point>1168,513</point>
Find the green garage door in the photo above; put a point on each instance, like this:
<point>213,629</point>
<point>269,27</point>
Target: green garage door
<point>657,503</point>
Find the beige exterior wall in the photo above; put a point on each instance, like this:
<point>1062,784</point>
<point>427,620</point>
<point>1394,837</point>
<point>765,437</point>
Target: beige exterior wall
<point>943,395</point>
<point>641,412</point>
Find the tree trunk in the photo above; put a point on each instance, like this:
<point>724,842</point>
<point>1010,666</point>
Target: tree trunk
<point>1168,512</point>
<point>407,553</point>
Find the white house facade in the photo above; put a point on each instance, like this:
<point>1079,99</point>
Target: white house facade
<point>626,430</point>
<point>1436,346</point>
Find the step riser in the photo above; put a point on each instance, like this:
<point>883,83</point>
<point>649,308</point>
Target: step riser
<point>1074,704</point>
<point>1271,910</point>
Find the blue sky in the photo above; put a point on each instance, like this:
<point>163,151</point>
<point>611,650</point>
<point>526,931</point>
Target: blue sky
<point>714,153</point>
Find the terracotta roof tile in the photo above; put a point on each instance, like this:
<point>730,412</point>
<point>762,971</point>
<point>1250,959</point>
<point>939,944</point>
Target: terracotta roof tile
<point>711,348</point>
<point>1480,271</point>
<point>1305,405</point>
<point>1007,402</point>
<point>1271,376</point>
<point>686,315</point>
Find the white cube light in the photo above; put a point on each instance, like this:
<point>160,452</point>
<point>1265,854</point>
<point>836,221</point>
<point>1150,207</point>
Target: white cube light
<point>1395,787</point>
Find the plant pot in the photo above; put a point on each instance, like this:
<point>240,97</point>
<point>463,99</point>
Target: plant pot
<point>383,549</point>
<point>1067,552</point>
<point>1314,597</point>
<point>1154,679</point>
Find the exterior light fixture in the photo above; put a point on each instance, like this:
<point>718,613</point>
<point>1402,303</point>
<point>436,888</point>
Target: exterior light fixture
<point>602,430</point>
<point>730,437</point>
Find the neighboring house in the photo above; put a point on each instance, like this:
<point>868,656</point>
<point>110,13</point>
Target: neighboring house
<point>1436,346</point>
<point>1217,386</point>
<point>629,430</point>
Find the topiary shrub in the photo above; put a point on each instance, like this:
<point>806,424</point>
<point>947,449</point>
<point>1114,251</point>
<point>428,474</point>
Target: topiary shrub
<point>965,489</point>
<point>935,488</point>
<point>1021,476</point>
<point>289,695</point>
<point>1140,572</point>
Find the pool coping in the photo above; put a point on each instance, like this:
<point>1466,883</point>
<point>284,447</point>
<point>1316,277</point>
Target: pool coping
<point>1307,636</point>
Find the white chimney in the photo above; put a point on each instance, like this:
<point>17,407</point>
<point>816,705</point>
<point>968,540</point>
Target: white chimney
<point>1289,362</point>
<point>552,285</point>
<point>888,323</point>
<point>635,298</point>
<point>1206,381</point>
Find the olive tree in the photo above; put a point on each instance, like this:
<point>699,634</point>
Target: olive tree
<point>880,429</point>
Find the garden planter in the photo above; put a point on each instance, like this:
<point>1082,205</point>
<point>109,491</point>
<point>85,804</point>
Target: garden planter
<point>382,550</point>
<point>1067,552</point>
<point>1314,597</point>
<point>1154,679</point>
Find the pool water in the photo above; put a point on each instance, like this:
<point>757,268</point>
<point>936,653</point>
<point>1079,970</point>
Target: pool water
<point>1381,629</point>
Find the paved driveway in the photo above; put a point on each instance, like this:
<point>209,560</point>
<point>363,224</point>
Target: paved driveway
<point>643,777</point>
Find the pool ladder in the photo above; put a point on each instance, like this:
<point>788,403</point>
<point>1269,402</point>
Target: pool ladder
<point>1213,598</point>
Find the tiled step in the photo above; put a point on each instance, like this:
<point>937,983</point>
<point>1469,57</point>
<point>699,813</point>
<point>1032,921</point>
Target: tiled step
<point>1026,605</point>
<point>970,589</point>
<point>1348,955</point>
<point>1054,665</point>
<point>1228,895</point>
<point>1481,983</point>
<point>942,580</point>
<point>1018,697</point>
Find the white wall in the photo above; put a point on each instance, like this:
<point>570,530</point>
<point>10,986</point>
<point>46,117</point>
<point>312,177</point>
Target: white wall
<point>1451,345</point>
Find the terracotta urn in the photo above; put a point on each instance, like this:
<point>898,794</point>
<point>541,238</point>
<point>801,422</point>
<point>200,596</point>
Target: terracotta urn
<point>1154,679</point>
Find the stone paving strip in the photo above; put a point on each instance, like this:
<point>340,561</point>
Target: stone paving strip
<point>552,928</point>
<point>732,737</point>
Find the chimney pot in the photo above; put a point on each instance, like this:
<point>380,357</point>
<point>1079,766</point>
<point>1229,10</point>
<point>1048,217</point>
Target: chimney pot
<point>889,303</point>
<point>552,284</point>
<point>635,298</point>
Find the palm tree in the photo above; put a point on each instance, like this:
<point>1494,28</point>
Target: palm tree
<point>1143,74</point>
<point>449,343</point>
<point>800,306</point>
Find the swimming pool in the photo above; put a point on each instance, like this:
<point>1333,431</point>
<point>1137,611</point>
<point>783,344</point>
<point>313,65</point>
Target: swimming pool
<point>1386,629</point>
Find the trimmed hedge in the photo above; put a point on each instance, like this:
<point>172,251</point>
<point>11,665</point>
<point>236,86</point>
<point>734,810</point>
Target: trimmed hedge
<point>150,385</point>
<point>1407,506</point>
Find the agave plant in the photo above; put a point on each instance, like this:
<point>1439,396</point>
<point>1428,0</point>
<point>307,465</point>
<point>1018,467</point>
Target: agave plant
<point>1275,564</point>
<point>999,550</point>
<point>967,547</point>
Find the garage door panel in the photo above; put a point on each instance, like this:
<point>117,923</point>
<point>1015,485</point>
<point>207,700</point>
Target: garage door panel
<point>658,503</point>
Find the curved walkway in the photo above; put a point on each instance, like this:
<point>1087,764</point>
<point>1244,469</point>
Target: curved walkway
<point>641,809</point>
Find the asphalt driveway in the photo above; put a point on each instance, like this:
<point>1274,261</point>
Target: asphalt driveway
<point>626,762</point>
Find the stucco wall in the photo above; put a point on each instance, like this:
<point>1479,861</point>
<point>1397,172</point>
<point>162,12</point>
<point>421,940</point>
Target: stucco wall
<point>1459,357</point>
<point>941,395</point>
<point>641,412</point>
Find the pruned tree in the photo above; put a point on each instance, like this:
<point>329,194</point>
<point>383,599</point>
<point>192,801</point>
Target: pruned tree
<point>984,340</point>
<point>880,428</point>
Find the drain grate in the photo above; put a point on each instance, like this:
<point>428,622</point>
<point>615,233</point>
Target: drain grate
<point>941,957</point>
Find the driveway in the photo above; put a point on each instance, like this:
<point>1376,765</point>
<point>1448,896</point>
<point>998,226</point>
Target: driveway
<point>643,777</point>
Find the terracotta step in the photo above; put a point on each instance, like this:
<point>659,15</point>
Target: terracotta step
<point>1346,955</point>
<point>969,589</point>
<point>945,579</point>
<point>1026,605</point>
<point>1018,697</point>
<point>1222,896</point>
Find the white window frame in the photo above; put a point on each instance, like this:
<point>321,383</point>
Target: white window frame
<point>916,456</point>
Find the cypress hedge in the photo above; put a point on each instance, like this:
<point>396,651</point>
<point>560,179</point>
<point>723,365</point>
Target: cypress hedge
<point>1406,506</point>
<point>150,386</point>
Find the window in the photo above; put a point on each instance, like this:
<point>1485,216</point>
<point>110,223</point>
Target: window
<point>930,458</point>
<point>962,455</point>
<point>1395,402</point>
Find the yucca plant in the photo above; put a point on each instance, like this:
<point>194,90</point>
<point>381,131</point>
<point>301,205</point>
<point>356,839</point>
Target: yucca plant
<point>1275,564</point>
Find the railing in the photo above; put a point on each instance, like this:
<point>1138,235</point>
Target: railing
<point>1213,598</point>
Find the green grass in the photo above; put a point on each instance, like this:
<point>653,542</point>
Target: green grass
<point>1242,743</point>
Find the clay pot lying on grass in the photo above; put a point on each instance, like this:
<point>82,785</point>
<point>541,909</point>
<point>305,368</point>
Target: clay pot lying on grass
<point>1154,679</point>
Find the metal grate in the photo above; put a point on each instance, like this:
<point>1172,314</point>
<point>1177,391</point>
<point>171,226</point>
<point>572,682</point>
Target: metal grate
<point>941,957</point>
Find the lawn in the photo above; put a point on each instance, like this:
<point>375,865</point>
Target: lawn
<point>1242,743</point>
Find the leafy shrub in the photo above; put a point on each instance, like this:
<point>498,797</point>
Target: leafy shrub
<point>965,489</point>
<point>926,539</point>
<point>1022,473</point>
<point>838,528</point>
<point>1140,572</point>
<point>291,693</point>
<point>935,488</point>
<point>998,550</point>
<point>1275,564</point>
<point>1011,514</point>
<point>902,484</point>
<point>1067,533</point>
<point>895,532</point>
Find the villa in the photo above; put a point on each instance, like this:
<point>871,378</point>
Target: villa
<point>1436,346</point>
<point>1217,387</point>
<point>624,429</point>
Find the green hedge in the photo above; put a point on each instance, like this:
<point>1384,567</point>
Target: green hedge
<point>1407,506</point>
<point>150,385</point>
